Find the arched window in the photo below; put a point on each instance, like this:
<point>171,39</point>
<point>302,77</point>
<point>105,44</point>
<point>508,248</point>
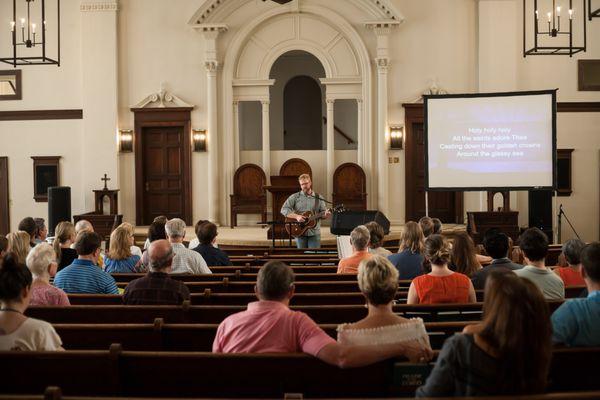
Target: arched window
<point>302,114</point>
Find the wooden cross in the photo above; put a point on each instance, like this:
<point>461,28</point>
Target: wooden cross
<point>105,179</point>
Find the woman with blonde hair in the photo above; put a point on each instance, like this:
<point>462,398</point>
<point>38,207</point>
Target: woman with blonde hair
<point>378,282</point>
<point>18,244</point>
<point>441,285</point>
<point>119,258</point>
<point>135,250</point>
<point>64,237</point>
<point>41,261</point>
<point>464,255</point>
<point>508,353</point>
<point>409,259</point>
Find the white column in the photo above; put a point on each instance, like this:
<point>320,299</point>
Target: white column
<point>330,147</point>
<point>212,140</point>
<point>99,78</point>
<point>266,139</point>
<point>382,30</point>
<point>360,132</point>
<point>236,134</point>
<point>382,142</point>
<point>210,32</point>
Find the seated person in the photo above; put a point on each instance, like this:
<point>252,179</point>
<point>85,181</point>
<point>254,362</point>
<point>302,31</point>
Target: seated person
<point>409,259</point>
<point>571,274</point>
<point>119,258</point>
<point>83,275</point>
<point>196,241</point>
<point>157,288</point>
<point>534,244</point>
<point>359,239</point>
<point>161,219</point>
<point>41,261</point>
<point>156,231</point>
<point>28,225</point>
<point>508,353</point>
<point>376,239</point>
<point>41,231</point>
<point>441,285</point>
<point>269,326</point>
<point>378,282</point>
<point>496,245</point>
<point>82,226</point>
<point>17,332</point>
<point>186,261</point>
<point>576,321</point>
<point>64,238</point>
<point>437,226</point>
<point>135,250</point>
<point>427,226</point>
<point>19,245</point>
<point>207,234</point>
<point>464,255</point>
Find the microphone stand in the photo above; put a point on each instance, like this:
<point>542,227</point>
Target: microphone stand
<point>562,213</point>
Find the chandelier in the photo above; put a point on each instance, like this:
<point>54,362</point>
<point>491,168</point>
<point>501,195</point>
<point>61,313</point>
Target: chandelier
<point>557,27</point>
<point>29,32</point>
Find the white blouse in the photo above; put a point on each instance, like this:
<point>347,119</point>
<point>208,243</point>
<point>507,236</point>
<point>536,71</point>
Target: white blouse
<point>413,329</point>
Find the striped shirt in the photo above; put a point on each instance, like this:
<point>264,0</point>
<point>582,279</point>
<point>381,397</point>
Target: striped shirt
<point>83,276</point>
<point>188,261</point>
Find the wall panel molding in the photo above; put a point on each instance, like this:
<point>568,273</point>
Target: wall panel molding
<point>29,115</point>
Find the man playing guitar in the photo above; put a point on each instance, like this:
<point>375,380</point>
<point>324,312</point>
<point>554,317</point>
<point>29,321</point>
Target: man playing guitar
<point>301,202</point>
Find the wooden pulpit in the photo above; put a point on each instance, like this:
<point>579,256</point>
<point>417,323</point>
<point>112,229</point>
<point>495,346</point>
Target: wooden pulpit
<point>281,188</point>
<point>480,221</point>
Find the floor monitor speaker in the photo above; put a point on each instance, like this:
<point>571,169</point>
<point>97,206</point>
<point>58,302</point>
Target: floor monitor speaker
<point>343,222</point>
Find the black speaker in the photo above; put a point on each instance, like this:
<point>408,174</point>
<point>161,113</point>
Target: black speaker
<point>59,206</point>
<point>540,211</point>
<point>343,222</point>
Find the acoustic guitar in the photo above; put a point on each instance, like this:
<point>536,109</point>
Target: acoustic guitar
<point>310,221</point>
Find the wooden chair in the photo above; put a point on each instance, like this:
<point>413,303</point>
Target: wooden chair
<point>249,195</point>
<point>295,167</point>
<point>349,187</point>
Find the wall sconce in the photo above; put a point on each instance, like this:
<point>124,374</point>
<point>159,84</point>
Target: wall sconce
<point>396,137</point>
<point>125,140</point>
<point>199,139</point>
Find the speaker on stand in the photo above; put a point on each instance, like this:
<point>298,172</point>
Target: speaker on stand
<point>59,206</point>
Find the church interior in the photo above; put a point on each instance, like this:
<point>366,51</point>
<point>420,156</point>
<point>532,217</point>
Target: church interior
<point>210,110</point>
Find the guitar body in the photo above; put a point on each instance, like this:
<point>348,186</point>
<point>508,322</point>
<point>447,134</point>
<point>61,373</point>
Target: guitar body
<point>298,229</point>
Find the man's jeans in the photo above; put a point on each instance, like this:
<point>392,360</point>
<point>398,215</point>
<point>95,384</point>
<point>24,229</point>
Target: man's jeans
<point>308,242</point>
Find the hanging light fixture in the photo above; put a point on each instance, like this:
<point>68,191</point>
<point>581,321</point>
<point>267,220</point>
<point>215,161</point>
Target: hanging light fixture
<point>554,27</point>
<point>29,32</point>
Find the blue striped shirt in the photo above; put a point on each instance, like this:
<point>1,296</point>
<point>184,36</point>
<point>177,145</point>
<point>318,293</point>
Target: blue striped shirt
<point>83,276</point>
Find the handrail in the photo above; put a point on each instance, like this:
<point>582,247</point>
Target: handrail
<point>341,132</point>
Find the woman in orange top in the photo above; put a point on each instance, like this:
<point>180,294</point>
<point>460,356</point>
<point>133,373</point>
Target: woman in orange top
<point>441,285</point>
<point>571,274</point>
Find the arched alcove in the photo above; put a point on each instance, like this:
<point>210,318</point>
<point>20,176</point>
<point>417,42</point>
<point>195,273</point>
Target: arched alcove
<point>302,114</point>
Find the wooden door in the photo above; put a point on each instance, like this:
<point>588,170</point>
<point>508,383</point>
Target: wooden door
<point>4,198</point>
<point>164,175</point>
<point>447,206</point>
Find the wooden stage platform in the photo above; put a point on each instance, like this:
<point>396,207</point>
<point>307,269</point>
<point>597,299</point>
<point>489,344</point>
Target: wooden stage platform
<point>257,236</point>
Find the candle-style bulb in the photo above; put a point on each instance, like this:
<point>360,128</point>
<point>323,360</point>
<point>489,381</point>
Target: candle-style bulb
<point>570,14</point>
<point>558,11</point>
<point>33,28</point>
<point>12,26</point>
<point>536,14</point>
<point>22,22</point>
<point>549,17</point>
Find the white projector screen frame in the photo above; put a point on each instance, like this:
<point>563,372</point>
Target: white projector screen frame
<point>467,186</point>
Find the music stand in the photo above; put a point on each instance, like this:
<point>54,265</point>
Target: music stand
<point>284,223</point>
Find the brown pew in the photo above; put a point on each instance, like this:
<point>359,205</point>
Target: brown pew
<point>186,337</point>
<point>193,374</point>
<point>332,314</point>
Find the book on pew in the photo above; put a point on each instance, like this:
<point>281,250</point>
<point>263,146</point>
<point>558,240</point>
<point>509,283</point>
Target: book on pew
<point>343,245</point>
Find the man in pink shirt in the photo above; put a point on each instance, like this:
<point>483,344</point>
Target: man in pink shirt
<point>269,326</point>
<point>359,239</point>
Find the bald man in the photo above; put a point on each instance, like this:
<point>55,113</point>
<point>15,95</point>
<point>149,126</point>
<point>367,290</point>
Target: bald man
<point>157,288</point>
